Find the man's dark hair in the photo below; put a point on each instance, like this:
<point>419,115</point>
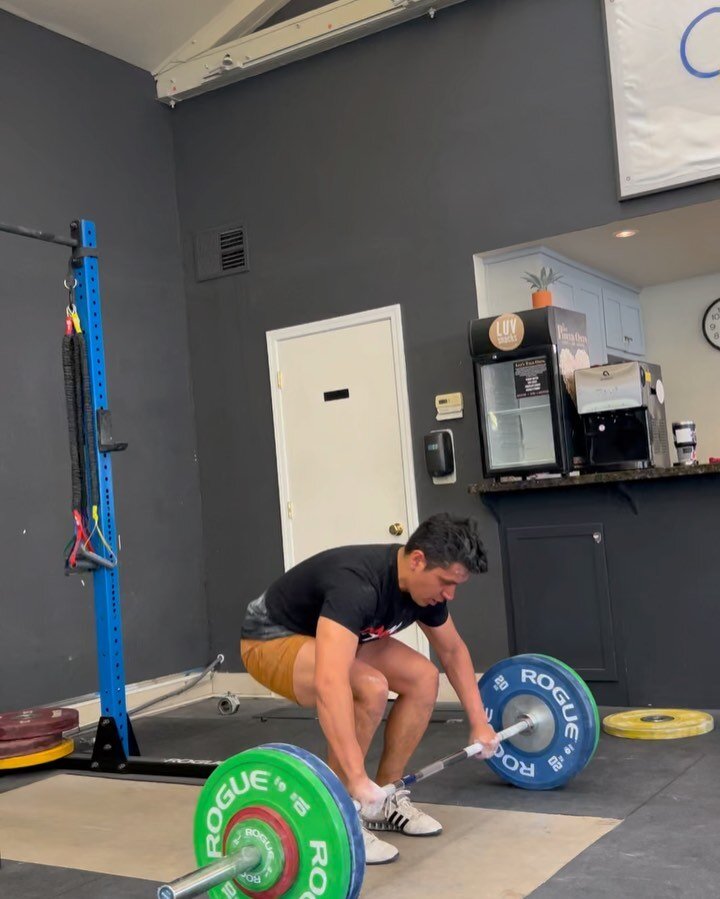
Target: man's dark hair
<point>445,540</point>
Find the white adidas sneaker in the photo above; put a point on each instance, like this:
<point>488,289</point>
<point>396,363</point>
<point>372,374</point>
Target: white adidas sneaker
<point>378,852</point>
<point>400,815</point>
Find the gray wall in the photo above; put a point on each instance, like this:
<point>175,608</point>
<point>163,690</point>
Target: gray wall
<point>369,175</point>
<point>82,136</point>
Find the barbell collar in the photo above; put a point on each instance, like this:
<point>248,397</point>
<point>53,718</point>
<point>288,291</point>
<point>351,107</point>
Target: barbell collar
<point>245,859</point>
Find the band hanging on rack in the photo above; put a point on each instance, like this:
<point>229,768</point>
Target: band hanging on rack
<point>79,552</point>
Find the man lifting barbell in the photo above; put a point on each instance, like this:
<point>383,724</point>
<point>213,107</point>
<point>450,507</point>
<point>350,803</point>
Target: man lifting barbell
<point>321,636</point>
<point>276,821</point>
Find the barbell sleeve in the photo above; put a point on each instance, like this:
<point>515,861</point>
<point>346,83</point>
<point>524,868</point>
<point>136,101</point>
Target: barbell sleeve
<point>245,859</point>
<point>526,723</point>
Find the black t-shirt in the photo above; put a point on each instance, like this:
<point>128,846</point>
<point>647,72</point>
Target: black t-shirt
<point>357,586</point>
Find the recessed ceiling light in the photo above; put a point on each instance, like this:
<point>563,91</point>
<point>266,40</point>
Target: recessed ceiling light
<point>628,233</point>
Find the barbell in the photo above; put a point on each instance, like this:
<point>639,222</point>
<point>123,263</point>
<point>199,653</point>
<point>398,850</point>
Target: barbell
<point>276,821</point>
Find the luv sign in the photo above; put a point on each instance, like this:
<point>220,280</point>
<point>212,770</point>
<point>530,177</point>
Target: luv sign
<point>507,331</point>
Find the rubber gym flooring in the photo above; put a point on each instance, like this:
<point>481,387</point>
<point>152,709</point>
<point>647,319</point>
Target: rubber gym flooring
<point>499,842</point>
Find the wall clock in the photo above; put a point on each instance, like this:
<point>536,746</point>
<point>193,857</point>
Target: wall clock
<point>711,324</point>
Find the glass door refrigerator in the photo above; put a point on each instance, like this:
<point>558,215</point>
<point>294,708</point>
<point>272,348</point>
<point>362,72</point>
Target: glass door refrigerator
<point>524,365</point>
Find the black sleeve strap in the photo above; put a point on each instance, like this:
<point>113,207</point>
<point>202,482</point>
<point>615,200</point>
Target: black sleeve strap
<point>89,419</point>
<point>68,366</point>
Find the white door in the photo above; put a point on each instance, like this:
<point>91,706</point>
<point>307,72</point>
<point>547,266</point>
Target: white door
<point>342,435</point>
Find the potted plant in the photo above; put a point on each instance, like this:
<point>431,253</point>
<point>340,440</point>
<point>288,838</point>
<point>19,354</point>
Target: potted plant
<point>541,296</point>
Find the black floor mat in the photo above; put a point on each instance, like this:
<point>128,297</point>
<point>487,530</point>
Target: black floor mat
<point>445,713</point>
<point>665,791</point>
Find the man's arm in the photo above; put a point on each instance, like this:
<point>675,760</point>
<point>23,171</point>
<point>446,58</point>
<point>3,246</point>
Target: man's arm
<point>456,661</point>
<point>335,649</point>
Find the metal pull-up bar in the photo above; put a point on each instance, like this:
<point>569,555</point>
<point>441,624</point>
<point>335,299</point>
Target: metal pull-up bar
<point>38,235</point>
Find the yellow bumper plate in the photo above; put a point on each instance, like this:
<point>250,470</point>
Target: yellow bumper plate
<point>658,724</point>
<point>39,758</point>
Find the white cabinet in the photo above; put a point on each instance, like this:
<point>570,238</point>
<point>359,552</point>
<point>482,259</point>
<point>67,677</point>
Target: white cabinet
<point>623,322</point>
<point>612,309</point>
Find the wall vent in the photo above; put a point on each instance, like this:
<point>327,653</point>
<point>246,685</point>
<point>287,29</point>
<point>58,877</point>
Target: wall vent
<point>220,252</point>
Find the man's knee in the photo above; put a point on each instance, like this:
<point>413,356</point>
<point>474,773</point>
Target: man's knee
<point>370,690</point>
<point>425,682</point>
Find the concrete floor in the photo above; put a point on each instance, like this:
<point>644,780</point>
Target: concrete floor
<point>666,793</point>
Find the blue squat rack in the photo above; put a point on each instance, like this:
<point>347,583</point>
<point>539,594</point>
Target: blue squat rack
<point>115,747</point>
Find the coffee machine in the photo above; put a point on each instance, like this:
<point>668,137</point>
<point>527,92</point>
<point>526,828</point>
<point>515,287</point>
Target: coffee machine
<point>622,410</point>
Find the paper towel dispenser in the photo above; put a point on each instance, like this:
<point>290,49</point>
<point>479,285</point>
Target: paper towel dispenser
<point>607,387</point>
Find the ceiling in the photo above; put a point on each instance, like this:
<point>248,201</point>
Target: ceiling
<point>192,46</point>
<point>669,246</point>
<point>141,32</point>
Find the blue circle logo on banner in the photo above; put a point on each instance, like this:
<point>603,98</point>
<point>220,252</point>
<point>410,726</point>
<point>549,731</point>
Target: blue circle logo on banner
<point>697,73</point>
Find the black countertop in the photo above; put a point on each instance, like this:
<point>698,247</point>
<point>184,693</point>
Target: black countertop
<point>604,477</point>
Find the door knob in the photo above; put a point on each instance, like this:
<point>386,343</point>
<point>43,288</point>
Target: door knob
<point>396,529</point>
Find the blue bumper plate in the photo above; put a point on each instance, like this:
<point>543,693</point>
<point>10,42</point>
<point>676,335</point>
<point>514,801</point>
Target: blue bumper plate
<point>555,692</point>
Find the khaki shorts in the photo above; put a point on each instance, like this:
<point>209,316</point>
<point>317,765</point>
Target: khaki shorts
<point>272,662</point>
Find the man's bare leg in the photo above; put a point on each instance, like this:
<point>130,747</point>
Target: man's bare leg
<point>415,679</point>
<point>370,691</point>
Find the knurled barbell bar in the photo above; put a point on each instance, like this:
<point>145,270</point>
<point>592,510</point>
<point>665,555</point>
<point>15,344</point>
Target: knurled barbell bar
<point>276,821</point>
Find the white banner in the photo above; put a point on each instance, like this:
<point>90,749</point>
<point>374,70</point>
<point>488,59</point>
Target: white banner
<point>665,71</point>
